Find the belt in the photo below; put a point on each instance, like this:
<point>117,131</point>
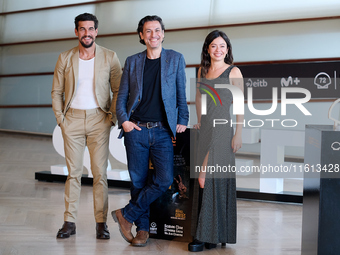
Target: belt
<point>149,125</point>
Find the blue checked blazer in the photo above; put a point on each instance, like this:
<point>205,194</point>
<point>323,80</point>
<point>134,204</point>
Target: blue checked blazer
<point>173,81</point>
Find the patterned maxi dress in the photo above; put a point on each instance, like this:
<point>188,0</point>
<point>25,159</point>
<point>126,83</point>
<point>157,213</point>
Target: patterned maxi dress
<point>215,221</point>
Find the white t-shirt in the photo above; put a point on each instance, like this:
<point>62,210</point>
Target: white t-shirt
<point>85,93</point>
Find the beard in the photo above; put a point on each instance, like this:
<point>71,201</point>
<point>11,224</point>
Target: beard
<point>86,45</point>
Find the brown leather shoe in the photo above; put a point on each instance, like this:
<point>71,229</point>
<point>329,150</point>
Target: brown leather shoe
<point>68,229</point>
<point>141,238</point>
<point>102,231</point>
<point>124,225</point>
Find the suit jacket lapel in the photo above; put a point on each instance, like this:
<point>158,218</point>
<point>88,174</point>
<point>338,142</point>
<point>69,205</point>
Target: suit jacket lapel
<point>140,62</point>
<point>164,65</point>
<point>75,67</point>
<point>99,55</point>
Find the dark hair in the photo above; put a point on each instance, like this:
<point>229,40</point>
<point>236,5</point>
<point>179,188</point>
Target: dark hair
<point>86,17</point>
<point>205,57</point>
<point>143,21</point>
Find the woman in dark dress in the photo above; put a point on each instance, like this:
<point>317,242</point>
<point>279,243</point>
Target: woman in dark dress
<point>214,206</point>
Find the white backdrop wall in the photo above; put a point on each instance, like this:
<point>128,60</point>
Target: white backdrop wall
<point>282,41</point>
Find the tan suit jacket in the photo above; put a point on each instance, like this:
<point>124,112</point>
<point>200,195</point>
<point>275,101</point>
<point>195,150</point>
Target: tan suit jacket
<point>107,74</point>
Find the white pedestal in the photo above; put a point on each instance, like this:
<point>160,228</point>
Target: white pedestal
<point>59,169</point>
<point>250,135</point>
<point>118,174</point>
<point>243,163</point>
<point>273,144</point>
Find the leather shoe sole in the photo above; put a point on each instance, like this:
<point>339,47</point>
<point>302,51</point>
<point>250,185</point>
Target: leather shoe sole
<point>140,244</point>
<point>141,239</point>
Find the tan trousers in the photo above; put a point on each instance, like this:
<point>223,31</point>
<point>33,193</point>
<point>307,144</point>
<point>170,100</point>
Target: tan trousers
<point>81,128</point>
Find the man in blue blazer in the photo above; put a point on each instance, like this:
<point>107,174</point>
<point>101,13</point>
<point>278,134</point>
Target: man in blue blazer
<point>151,108</point>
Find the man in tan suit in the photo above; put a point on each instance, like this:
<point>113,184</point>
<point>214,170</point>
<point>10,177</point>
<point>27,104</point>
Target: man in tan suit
<point>85,112</point>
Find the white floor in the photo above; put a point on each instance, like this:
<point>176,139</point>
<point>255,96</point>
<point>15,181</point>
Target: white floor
<point>31,212</point>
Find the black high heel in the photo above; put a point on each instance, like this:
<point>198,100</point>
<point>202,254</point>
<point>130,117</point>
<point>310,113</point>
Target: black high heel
<point>223,244</point>
<point>196,246</point>
<point>210,245</point>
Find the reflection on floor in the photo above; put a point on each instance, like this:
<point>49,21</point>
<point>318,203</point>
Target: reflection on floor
<point>31,212</point>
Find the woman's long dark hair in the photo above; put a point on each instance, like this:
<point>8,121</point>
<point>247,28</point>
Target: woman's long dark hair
<point>205,57</point>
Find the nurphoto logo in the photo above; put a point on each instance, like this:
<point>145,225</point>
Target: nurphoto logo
<point>239,105</point>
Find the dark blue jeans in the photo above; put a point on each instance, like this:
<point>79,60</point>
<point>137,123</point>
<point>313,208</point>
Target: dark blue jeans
<point>156,144</point>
